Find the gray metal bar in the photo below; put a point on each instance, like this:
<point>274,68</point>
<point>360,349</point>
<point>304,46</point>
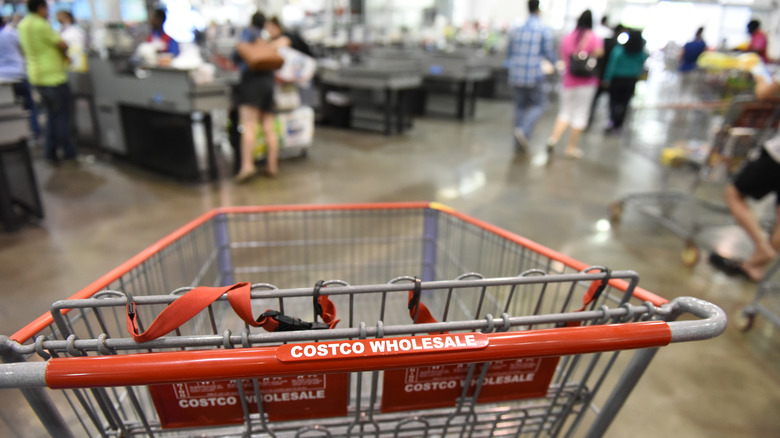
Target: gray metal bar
<point>17,370</point>
<point>47,412</point>
<point>712,324</point>
<point>625,385</point>
<point>23,375</point>
<point>267,338</point>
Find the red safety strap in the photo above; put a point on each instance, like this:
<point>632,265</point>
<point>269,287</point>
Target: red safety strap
<point>239,296</point>
<point>178,312</point>
<point>272,320</point>
<point>593,293</point>
<point>424,316</point>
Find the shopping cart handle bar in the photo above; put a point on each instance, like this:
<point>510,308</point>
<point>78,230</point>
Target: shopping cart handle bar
<point>245,363</point>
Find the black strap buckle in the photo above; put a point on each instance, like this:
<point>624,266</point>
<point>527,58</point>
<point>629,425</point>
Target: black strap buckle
<point>290,324</point>
<point>417,291</point>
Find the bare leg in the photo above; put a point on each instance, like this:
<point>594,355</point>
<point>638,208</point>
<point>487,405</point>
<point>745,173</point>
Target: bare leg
<point>763,252</point>
<point>574,139</point>
<point>775,239</point>
<point>558,129</point>
<point>272,158</point>
<point>248,116</point>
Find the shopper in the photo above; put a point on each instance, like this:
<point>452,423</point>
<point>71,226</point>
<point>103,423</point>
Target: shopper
<point>603,30</point>
<point>44,52</point>
<point>603,88</point>
<point>163,41</point>
<point>528,45</point>
<point>758,178</point>
<point>283,38</point>
<point>577,91</point>
<point>758,40</point>
<point>691,52</point>
<point>626,64</point>
<point>12,70</point>
<point>76,40</point>
<point>256,105</point>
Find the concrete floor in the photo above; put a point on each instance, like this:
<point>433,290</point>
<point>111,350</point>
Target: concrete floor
<point>99,215</point>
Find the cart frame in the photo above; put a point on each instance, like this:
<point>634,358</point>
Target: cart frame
<point>107,363</point>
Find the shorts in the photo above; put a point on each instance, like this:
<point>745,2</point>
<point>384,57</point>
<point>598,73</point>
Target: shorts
<point>759,177</point>
<point>575,105</point>
<point>256,89</point>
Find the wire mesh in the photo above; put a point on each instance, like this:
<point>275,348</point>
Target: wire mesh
<point>377,253</point>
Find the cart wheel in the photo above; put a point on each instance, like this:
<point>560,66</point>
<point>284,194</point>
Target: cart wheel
<point>745,320</point>
<point>615,212</point>
<point>690,255</point>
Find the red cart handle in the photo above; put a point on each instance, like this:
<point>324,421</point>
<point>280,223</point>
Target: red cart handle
<point>239,297</point>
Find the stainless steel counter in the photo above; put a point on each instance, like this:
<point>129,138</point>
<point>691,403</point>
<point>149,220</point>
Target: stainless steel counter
<point>393,79</point>
<point>161,92</point>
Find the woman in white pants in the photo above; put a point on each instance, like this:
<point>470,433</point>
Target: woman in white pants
<point>577,91</point>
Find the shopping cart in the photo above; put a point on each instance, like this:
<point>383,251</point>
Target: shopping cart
<point>490,334</point>
<point>766,302</point>
<point>745,125</point>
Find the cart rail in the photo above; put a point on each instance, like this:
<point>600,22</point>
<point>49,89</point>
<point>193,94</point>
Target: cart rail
<point>223,364</point>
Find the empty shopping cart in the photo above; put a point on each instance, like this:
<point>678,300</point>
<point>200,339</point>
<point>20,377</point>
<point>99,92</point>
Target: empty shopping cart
<point>377,320</point>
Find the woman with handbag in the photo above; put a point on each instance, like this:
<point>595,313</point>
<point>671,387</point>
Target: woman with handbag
<point>256,99</point>
<point>579,51</point>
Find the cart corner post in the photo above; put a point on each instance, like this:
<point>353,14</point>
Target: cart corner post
<point>39,400</point>
<point>430,238</point>
<point>222,239</point>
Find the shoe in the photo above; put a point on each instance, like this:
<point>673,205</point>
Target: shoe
<point>728,266</point>
<point>574,154</point>
<point>521,142</point>
<point>243,177</point>
<point>550,149</point>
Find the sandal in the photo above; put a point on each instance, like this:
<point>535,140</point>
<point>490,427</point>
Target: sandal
<point>243,177</point>
<point>574,154</point>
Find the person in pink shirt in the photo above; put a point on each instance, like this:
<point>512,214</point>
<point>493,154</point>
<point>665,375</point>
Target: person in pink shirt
<point>578,91</point>
<point>757,39</point>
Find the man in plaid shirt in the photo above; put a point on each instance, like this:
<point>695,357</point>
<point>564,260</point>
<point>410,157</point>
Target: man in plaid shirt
<point>529,43</point>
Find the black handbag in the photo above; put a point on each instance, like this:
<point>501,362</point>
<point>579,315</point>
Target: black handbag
<point>582,65</point>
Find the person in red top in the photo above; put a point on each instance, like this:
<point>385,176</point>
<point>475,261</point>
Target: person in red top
<point>167,44</point>
<point>757,39</point>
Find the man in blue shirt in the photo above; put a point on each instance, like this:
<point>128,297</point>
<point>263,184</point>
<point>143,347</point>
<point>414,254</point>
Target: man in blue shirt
<point>527,46</point>
<point>692,50</point>
<point>12,69</point>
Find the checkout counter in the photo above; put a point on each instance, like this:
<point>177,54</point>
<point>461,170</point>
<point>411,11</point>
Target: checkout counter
<point>376,92</point>
<point>160,118</point>
<point>447,76</point>
<point>457,73</point>
<point>19,195</point>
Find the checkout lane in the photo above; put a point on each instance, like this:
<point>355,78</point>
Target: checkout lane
<point>158,117</point>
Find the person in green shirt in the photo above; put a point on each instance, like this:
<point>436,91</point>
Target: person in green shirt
<point>626,63</point>
<point>44,52</point>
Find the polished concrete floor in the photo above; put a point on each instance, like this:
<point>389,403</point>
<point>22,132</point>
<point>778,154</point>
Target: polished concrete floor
<point>99,215</point>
